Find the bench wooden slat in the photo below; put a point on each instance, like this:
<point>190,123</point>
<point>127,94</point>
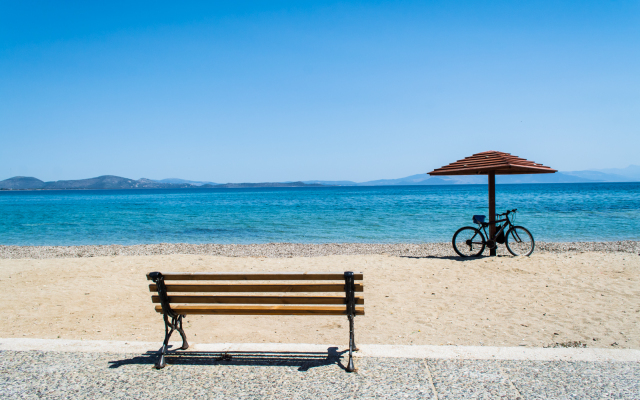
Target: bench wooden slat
<point>274,287</point>
<point>261,310</point>
<point>256,276</point>
<point>281,299</point>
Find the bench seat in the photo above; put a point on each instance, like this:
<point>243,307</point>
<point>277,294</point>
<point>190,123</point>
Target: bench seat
<point>269,293</point>
<point>260,310</point>
<point>262,288</point>
<point>250,299</point>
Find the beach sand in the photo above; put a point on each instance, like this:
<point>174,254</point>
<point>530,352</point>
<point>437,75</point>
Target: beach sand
<point>548,298</point>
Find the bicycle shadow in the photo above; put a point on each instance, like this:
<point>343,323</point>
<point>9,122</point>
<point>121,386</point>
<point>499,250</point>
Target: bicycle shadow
<point>455,258</point>
<point>303,360</point>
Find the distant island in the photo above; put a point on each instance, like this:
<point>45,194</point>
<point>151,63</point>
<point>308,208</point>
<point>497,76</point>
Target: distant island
<point>629,174</point>
<point>116,182</point>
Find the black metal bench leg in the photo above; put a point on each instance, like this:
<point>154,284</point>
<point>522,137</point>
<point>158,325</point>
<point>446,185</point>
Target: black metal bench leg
<point>353,335</point>
<point>167,334</point>
<point>352,345</point>
<point>185,345</point>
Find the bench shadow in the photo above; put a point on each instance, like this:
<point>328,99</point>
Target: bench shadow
<point>303,360</point>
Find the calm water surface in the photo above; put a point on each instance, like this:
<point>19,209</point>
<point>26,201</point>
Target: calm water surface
<point>553,212</point>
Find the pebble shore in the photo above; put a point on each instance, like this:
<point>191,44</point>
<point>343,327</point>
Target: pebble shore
<point>284,250</point>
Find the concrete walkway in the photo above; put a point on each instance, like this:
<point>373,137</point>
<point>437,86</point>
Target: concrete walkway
<point>35,368</point>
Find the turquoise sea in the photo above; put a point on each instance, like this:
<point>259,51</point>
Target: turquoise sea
<point>383,214</point>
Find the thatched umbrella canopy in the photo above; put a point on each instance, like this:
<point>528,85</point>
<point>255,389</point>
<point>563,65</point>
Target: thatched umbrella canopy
<point>492,163</point>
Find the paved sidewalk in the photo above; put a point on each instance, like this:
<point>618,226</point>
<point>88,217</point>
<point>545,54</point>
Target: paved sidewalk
<point>308,374</point>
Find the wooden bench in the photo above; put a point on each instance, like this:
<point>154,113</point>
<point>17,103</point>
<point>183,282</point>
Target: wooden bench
<point>319,293</point>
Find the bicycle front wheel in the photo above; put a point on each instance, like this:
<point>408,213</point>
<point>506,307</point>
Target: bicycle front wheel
<point>468,242</point>
<point>519,241</point>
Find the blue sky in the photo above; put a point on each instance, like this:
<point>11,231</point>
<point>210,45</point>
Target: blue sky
<point>281,91</point>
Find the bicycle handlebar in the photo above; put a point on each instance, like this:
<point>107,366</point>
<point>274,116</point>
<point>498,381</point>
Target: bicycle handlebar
<point>508,212</point>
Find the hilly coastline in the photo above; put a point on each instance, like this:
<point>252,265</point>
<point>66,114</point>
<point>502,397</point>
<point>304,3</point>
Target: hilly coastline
<point>629,174</point>
<point>116,182</point>
<point>100,182</point>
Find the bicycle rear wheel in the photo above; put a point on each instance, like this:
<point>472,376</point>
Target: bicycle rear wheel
<point>520,241</point>
<point>468,242</point>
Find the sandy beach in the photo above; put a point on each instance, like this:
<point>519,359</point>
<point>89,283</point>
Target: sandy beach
<point>548,298</point>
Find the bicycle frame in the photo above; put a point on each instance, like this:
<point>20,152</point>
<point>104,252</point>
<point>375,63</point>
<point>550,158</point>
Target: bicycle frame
<point>485,225</point>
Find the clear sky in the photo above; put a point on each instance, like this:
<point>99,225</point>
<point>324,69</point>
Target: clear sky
<point>282,91</point>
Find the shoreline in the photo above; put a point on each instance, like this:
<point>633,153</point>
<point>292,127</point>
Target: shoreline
<point>288,250</point>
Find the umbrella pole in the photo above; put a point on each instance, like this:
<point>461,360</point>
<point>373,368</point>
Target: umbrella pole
<point>492,208</point>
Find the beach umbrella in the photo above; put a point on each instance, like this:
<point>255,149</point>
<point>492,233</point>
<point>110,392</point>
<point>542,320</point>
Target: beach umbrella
<point>492,163</point>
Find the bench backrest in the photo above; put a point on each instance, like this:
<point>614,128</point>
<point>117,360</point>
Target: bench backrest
<point>262,293</point>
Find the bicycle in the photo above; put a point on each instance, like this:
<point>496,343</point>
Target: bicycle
<point>470,242</point>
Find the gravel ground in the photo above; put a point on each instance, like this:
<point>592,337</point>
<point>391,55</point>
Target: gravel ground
<point>282,250</point>
<point>54,375</point>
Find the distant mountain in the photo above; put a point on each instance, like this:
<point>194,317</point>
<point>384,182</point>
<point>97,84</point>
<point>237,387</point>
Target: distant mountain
<point>558,177</point>
<point>597,176</point>
<point>331,183</point>
<point>420,179</point>
<point>629,174</point>
<point>110,182</point>
<point>100,182</point>
<point>424,179</point>
<point>180,181</point>
<point>264,184</point>
<point>22,182</point>
<point>117,182</point>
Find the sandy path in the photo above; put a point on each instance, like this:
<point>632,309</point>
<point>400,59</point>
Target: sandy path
<point>501,301</point>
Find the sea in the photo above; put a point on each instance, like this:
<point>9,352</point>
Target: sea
<point>380,214</point>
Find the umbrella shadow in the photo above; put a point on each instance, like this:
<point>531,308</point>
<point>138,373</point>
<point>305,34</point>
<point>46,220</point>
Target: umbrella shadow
<point>303,360</point>
<point>457,258</point>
